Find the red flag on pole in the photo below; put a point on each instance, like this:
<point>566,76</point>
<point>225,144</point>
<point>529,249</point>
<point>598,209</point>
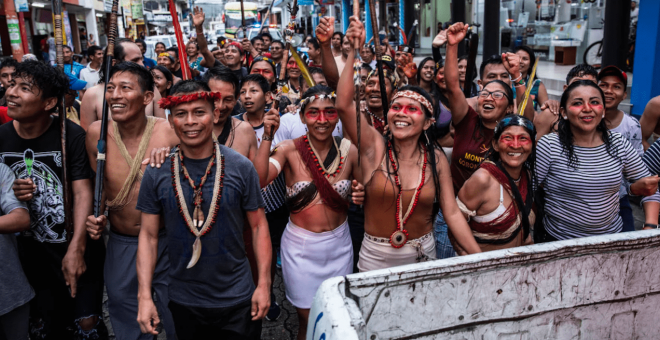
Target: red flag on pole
<point>181,45</point>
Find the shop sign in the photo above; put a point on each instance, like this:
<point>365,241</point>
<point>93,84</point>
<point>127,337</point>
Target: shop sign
<point>21,6</point>
<point>14,33</point>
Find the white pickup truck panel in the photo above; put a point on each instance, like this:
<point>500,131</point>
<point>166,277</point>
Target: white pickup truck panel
<point>603,287</point>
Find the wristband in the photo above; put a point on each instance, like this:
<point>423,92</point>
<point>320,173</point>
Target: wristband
<point>518,79</point>
<point>651,225</point>
<point>267,138</point>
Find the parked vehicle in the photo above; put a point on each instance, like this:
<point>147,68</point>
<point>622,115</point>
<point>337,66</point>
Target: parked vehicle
<point>600,287</point>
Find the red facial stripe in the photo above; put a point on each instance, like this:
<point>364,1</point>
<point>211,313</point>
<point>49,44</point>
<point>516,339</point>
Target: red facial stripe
<point>515,141</point>
<point>407,109</point>
<point>330,114</point>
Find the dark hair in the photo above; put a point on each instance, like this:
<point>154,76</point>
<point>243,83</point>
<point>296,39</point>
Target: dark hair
<point>9,62</point>
<point>507,89</point>
<point>474,69</point>
<point>140,41</point>
<point>315,43</point>
<point>277,42</point>
<point>341,36</point>
<point>120,54</point>
<point>421,65</point>
<point>581,70</point>
<point>266,60</point>
<point>167,74</point>
<point>494,59</point>
<point>267,35</point>
<point>259,79</point>
<point>532,58</point>
<point>215,48</point>
<point>367,67</point>
<point>176,53</point>
<point>564,130</point>
<point>145,78</point>
<point>67,47</point>
<point>194,43</point>
<point>51,81</point>
<point>223,73</point>
<point>93,49</point>
<point>428,140</point>
<point>312,71</point>
<point>161,43</point>
<point>313,91</point>
<point>258,37</point>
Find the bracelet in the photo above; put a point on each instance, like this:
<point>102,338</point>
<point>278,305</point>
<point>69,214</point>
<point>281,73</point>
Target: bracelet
<point>517,79</point>
<point>651,225</point>
<point>267,138</point>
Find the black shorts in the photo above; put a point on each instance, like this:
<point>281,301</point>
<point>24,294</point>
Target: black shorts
<point>215,323</point>
<point>42,264</point>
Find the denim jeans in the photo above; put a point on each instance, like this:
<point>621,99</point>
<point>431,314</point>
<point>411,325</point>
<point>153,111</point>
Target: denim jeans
<point>443,247</point>
<point>625,211</point>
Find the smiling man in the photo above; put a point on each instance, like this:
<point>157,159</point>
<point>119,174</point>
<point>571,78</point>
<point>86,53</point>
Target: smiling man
<point>130,136</point>
<point>66,276</point>
<point>91,107</point>
<point>7,67</point>
<point>614,82</point>
<point>211,292</point>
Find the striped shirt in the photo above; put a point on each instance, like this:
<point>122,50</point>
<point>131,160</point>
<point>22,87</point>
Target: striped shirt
<point>652,160</point>
<point>583,200</point>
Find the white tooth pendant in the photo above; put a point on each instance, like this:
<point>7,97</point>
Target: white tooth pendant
<point>197,251</point>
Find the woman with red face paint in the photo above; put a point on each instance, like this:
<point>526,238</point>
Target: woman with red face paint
<point>580,169</point>
<point>405,175</point>
<point>293,73</point>
<point>318,167</point>
<point>497,198</point>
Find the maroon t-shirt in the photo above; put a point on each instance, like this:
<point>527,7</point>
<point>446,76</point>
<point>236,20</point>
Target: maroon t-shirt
<point>470,146</point>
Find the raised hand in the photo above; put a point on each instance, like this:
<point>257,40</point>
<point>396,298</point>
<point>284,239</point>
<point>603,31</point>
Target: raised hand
<point>271,122</point>
<point>325,29</point>
<point>456,33</point>
<point>408,66</point>
<point>198,17</point>
<point>511,62</point>
<point>356,33</point>
<point>440,39</point>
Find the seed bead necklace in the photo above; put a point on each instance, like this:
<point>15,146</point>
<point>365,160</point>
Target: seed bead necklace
<point>399,238</point>
<point>336,165</point>
<point>197,225</point>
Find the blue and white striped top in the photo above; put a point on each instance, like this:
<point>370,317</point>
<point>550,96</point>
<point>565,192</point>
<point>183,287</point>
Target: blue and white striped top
<point>583,200</point>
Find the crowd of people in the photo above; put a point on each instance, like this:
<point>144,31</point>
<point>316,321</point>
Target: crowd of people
<point>213,182</point>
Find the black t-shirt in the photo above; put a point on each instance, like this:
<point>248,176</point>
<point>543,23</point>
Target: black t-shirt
<point>240,73</point>
<point>178,73</point>
<point>41,159</point>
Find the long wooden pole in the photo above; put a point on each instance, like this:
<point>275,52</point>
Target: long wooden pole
<point>183,58</point>
<point>103,136</point>
<point>379,59</point>
<point>66,185</point>
<point>358,83</point>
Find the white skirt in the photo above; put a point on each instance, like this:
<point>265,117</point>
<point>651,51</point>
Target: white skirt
<point>378,253</point>
<point>309,258</point>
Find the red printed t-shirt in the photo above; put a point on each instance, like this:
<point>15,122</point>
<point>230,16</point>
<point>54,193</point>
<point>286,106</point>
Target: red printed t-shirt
<point>469,148</point>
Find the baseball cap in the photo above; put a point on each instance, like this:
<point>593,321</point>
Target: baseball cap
<point>388,62</point>
<point>612,70</point>
<point>76,84</point>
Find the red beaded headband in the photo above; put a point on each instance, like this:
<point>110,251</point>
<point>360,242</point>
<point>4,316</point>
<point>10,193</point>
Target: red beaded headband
<point>414,96</point>
<point>172,101</point>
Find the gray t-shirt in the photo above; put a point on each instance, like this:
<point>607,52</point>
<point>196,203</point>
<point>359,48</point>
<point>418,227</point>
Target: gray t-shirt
<point>15,290</point>
<point>221,278</point>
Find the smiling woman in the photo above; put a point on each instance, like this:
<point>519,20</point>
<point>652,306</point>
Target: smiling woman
<point>497,198</point>
<point>581,168</point>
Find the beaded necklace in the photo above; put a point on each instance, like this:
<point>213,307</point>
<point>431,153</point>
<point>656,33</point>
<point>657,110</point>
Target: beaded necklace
<point>399,238</point>
<point>334,168</point>
<point>197,225</point>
